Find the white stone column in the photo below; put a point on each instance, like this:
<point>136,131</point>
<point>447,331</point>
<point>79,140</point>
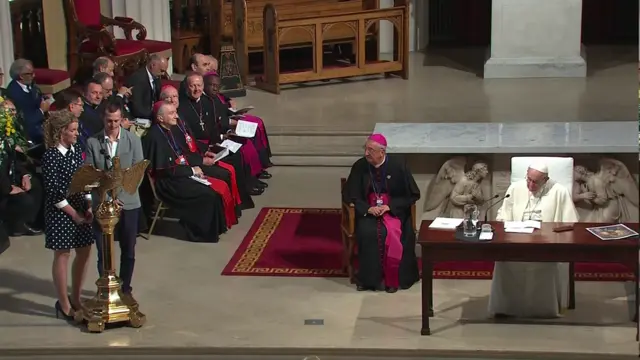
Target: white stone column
<point>386,29</point>
<point>6,41</point>
<point>536,38</point>
<point>153,14</point>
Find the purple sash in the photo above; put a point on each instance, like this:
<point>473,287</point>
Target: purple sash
<point>392,244</point>
<point>250,156</point>
<point>260,137</point>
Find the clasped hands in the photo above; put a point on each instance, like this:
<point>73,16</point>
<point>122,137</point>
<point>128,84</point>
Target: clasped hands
<point>197,171</point>
<point>24,187</point>
<point>378,210</point>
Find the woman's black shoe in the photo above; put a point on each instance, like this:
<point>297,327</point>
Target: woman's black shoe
<point>60,313</point>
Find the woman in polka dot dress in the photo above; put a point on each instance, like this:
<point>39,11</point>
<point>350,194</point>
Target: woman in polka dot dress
<point>67,217</point>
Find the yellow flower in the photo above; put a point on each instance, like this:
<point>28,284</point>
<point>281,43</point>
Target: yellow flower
<point>1,99</point>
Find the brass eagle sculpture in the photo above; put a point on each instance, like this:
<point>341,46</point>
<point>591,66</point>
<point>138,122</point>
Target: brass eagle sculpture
<point>108,182</point>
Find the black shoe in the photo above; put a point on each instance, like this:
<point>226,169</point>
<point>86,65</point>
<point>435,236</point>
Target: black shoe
<point>256,191</point>
<point>25,230</point>
<point>60,313</point>
<point>264,175</point>
<point>391,290</point>
<point>263,184</point>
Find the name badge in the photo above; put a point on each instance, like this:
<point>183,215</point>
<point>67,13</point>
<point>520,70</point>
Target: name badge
<point>379,202</point>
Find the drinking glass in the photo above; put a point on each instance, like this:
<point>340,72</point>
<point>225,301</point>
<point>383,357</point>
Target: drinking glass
<point>470,222</point>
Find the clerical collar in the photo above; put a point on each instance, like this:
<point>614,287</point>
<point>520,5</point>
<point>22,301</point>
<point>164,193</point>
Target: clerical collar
<point>381,163</point>
<point>195,100</point>
<point>89,104</point>
<point>63,149</point>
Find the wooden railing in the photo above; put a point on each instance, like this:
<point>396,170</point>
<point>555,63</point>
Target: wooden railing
<point>358,23</point>
<point>196,26</point>
<point>28,32</point>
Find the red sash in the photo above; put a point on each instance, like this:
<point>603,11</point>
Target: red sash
<point>221,188</point>
<point>234,183</point>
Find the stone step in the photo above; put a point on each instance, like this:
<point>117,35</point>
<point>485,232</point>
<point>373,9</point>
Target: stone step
<point>316,148</point>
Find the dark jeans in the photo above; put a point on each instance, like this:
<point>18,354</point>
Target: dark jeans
<point>126,234</point>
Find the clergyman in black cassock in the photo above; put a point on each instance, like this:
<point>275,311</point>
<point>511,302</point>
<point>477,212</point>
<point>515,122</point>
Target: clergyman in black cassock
<point>383,194</point>
<point>198,114</point>
<point>199,208</point>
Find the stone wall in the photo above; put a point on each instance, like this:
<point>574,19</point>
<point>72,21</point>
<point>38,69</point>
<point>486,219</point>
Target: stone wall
<point>425,167</point>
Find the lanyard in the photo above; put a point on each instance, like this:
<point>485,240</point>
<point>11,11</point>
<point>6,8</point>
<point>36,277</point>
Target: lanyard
<point>171,140</point>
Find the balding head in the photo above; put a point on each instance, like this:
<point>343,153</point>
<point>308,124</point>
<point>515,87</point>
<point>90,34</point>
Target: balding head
<point>195,85</point>
<point>214,63</point>
<point>167,115</point>
<point>107,83</point>
<point>169,94</point>
<point>103,64</point>
<point>157,65</point>
<point>200,63</point>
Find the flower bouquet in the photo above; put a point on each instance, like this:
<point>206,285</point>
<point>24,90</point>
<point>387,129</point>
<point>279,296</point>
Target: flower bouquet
<point>11,132</point>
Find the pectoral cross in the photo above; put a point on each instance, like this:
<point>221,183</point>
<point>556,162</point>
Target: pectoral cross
<point>202,124</point>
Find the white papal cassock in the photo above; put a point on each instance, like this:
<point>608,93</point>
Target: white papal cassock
<point>532,289</point>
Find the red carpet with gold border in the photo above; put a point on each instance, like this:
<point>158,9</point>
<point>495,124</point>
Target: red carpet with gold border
<point>306,242</point>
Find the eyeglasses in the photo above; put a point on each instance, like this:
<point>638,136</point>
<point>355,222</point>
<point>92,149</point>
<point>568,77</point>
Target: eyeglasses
<point>535,182</point>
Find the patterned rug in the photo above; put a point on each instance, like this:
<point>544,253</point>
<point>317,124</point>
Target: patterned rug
<point>307,243</point>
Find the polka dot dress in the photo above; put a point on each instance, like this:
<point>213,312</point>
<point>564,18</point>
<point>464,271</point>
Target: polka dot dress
<point>61,232</point>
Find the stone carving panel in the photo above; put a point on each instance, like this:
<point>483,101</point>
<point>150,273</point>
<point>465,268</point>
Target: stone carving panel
<point>460,181</point>
<point>605,191</point>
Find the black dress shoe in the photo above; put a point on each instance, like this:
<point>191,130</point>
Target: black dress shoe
<point>25,230</point>
<point>263,184</point>
<point>391,290</point>
<point>264,175</point>
<point>256,191</point>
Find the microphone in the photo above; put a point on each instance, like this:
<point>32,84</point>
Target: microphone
<point>486,213</point>
<point>104,153</point>
<point>489,199</point>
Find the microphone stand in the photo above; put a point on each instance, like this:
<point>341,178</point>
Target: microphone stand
<point>486,213</point>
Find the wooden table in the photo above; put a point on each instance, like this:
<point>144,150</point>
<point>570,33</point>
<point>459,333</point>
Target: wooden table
<point>542,245</point>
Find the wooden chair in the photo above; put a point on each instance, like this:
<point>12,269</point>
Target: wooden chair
<point>348,229</point>
<point>159,211</point>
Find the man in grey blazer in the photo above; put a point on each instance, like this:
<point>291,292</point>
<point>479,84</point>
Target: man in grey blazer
<point>101,149</point>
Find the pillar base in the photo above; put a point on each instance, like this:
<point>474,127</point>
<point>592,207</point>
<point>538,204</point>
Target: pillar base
<point>231,81</point>
<point>535,67</point>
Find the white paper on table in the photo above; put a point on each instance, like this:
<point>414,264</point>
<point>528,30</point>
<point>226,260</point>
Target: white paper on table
<point>231,145</point>
<point>488,235</point>
<point>523,224</point>
<point>201,180</point>
<point>519,230</point>
<point>221,155</point>
<point>445,223</point>
<point>246,129</point>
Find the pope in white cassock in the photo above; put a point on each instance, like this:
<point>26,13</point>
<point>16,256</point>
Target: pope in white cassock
<point>533,290</point>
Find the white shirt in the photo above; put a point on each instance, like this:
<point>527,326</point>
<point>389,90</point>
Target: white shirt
<point>64,202</point>
<point>151,80</point>
<point>112,146</point>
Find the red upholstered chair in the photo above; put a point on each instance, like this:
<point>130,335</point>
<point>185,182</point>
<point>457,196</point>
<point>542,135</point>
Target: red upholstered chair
<point>174,83</point>
<point>51,81</point>
<point>89,38</point>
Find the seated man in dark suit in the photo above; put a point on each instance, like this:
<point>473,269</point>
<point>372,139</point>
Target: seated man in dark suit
<point>145,84</point>
<point>20,194</point>
<point>200,64</point>
<point>28,98</point>
<point>108,87</point>
<point>90,122</point>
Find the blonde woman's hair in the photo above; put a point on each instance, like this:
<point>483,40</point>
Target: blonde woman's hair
<point>55,124</point>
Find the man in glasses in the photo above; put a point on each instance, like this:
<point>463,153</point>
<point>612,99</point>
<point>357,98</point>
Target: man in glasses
<point>533,290</point>
<point>28,98</point>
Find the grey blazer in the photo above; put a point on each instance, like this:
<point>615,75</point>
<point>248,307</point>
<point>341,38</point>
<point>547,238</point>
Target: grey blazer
<point>130,152</point>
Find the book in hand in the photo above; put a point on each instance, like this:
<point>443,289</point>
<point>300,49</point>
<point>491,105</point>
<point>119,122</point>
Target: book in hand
<point>202,181</point>
<point>612,232</point>
<point>231,145</point>
<point>246,129</point>
<point>243,110</point>
<point>220,155</point>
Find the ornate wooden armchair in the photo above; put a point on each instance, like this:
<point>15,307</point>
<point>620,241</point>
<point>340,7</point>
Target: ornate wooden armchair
<point>89,38</point>
<point>348,229</point>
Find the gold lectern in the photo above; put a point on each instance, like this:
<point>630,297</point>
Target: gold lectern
<point>110,305</point>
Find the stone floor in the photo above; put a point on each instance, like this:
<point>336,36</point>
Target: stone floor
<point>189,305</point>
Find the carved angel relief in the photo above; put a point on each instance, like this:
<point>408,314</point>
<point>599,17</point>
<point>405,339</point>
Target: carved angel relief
<point>609,194</point>
<point>452,188</point>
